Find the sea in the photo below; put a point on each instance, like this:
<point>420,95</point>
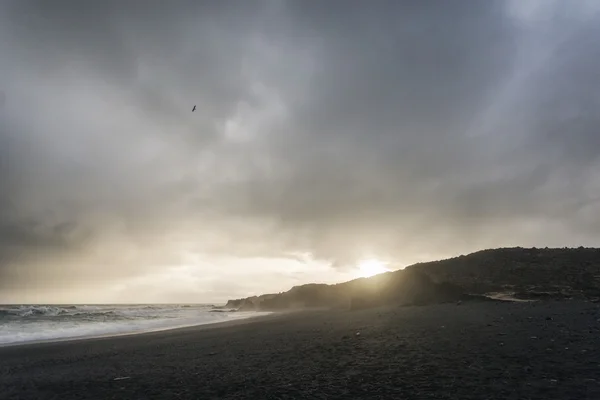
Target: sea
<point>35,323</point>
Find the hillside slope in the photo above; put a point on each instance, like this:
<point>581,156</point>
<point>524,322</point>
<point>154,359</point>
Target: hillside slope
<point>528,273</point>
<point>402,287</point>
<point>564,270</point>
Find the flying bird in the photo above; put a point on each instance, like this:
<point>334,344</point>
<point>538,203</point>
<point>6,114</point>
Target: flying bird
<point>194,109</point>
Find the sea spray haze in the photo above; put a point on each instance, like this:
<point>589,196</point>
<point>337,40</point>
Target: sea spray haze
<point>28,323</point>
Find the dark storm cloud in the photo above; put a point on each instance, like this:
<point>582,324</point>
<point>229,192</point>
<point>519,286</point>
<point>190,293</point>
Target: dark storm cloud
<point>342,128</point>
<point>417,118</point>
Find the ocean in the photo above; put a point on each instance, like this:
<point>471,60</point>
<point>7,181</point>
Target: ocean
<point>33,323</point>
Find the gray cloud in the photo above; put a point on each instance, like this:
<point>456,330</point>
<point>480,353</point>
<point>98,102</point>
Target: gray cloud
<point>397,129</point>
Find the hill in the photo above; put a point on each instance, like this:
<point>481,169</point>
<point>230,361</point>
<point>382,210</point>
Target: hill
<point>527,273</point>
<point>404,287</point>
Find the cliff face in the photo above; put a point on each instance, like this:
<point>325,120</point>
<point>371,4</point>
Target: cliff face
<point>528,272</point>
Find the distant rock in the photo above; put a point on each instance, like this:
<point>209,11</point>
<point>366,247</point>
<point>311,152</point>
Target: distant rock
<point>234,303</point>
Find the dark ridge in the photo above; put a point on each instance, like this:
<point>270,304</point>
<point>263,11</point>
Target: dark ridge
<point>525,273</point>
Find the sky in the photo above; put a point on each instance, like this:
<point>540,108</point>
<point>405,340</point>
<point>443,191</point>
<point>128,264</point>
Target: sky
<point>325,133</point>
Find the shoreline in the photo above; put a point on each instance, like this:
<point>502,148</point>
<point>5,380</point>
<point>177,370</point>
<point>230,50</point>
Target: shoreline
<point>134,333</point>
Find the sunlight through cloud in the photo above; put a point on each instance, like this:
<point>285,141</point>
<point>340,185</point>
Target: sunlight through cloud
<point>371,267</point>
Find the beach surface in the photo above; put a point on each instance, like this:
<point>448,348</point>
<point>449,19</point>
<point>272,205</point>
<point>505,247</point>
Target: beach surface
<point>487,350</point>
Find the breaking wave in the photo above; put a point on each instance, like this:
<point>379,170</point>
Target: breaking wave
<point>27,323</point>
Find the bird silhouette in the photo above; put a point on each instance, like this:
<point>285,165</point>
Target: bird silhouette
<point>194,109</point>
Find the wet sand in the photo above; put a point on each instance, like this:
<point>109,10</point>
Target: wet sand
<point>496,350</point>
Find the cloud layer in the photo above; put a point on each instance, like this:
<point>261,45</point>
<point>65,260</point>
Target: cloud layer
<point>325,132</point>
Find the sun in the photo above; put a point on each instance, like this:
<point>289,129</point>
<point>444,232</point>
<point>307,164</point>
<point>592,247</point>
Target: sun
<point>371,267</point>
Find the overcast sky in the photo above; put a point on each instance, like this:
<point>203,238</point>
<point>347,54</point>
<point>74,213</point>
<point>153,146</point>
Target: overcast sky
<point>326,132</point>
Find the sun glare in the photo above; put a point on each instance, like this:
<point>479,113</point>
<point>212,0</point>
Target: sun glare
<point>371,267</point>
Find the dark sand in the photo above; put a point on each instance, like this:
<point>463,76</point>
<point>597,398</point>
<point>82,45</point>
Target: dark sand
<point>471,351</point>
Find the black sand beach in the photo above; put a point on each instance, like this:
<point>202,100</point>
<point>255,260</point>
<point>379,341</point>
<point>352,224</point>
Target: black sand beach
<point>469,351</point>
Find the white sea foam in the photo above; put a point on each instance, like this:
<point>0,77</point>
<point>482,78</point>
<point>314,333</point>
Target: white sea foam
<point>30,323</point>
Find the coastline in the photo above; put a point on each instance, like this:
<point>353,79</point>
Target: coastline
<point>492,350</point>
<point>83,338</point>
